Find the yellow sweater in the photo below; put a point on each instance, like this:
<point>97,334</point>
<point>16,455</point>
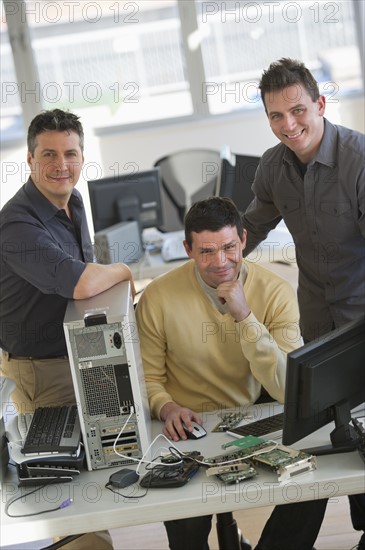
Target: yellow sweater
<point>200,358</point>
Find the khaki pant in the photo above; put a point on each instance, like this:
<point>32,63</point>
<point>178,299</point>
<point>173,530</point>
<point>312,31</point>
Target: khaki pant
<point>47,383</point>
<point>39,382</point>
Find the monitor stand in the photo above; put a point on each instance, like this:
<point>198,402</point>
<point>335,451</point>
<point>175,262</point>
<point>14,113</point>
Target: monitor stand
<point>129,209</point>
<point>344,438</point>
<point>329,449</point>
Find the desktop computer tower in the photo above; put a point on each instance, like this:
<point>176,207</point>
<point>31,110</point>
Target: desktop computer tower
<point>106,366</point>
<point>119,243</point>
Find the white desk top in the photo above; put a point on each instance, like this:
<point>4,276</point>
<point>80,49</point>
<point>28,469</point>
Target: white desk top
<point>95,508</point>
<point>152,266</point>
<point>278,247</point>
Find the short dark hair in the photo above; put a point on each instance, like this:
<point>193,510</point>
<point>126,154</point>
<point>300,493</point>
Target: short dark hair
<point>54,120</point>
<point>284,73</point>
<point>212,215</point>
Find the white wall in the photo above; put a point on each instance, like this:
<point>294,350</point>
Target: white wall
<point>246,132</point>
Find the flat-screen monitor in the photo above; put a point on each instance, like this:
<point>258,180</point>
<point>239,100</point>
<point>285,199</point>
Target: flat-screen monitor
<point>235,178</point>
<point>325,379</point>
<point>127,197</point>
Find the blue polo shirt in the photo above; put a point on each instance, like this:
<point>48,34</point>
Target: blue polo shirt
<point>43,254</point>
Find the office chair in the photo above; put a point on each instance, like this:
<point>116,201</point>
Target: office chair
<point>186,176</point>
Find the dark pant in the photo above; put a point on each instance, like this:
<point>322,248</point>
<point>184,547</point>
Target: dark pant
<point>189,534</point>
<point>293,526</point>
<point>290,527</point>
<point>357,508</point>
<point>296,526</point>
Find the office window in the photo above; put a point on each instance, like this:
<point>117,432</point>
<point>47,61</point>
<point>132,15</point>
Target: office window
<point>11,120</point>
<point>119,62</point>
<point>115,62</point>
<point>242,38</point>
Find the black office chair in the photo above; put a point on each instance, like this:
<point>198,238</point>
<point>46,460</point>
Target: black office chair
<point>186,176</point>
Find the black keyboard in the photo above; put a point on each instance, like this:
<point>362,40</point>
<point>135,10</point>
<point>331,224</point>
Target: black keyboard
<point>261,427</point>
<point>53,430</point>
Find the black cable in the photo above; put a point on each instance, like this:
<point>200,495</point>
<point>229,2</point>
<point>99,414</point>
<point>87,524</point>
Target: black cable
<point>186,456</point>
<point>109,487</point>
<point>63,504</point>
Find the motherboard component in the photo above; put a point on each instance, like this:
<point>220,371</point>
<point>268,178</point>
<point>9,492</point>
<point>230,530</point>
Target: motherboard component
<point>229,421</point>
<point>242,449</point>
<point>228,478</point>
<point>229,468</point>
<point>256,451</point>
<point>286,462</point>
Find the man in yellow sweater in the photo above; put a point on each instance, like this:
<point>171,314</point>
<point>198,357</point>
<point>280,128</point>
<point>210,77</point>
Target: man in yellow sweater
<point>214,334</point>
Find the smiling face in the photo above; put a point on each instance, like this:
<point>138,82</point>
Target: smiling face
<point>296,120</point>
<point>56,165</point>
<point>217,254</point>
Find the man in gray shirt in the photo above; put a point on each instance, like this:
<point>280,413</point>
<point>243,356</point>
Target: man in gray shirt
<point>314,180</point>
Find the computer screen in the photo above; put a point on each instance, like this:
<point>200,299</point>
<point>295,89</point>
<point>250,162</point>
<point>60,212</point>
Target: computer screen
<point>235,178</point>
<point>325,379</point>
<point>127,197</point>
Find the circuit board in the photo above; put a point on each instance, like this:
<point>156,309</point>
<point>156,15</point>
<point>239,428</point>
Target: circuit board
<point>256,451</point>
<point>286,462</point>
<point>242,449</point>
<point>229,421</point>
<point>228,478</point>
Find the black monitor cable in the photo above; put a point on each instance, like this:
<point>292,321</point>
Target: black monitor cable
<point>63,504</point>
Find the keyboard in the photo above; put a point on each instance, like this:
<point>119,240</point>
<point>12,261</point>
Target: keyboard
<point>53,430</point>
<point>261,427</point>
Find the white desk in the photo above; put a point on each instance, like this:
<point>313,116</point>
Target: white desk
<point>95,508</point>
<point>152,265</point>
<point>278,248</point>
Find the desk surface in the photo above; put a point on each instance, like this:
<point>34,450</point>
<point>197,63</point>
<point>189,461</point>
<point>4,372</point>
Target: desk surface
<point>278,248</point>
<point>95,508</point>
<point>152,266</point>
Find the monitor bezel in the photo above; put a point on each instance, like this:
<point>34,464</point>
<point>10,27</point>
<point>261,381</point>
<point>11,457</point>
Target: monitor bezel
<point>130,182</point>
<point>301,416</point>
<point>234,180</point>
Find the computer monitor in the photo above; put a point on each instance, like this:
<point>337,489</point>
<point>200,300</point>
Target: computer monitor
<point>127,197</point>
<point>235,178</point>
<point>325,379</point>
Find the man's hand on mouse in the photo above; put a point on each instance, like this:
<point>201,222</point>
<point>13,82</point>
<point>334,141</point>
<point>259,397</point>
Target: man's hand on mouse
<point>174,416</point>
<point>232,294</point>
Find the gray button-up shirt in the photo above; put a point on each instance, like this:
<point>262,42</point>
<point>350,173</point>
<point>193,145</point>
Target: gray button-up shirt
<point>324,211</point>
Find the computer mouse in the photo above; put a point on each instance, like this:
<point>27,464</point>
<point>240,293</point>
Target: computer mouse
<point>197,433</point>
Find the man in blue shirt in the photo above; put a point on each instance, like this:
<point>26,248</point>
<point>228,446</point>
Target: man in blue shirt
<point>46,259</point>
